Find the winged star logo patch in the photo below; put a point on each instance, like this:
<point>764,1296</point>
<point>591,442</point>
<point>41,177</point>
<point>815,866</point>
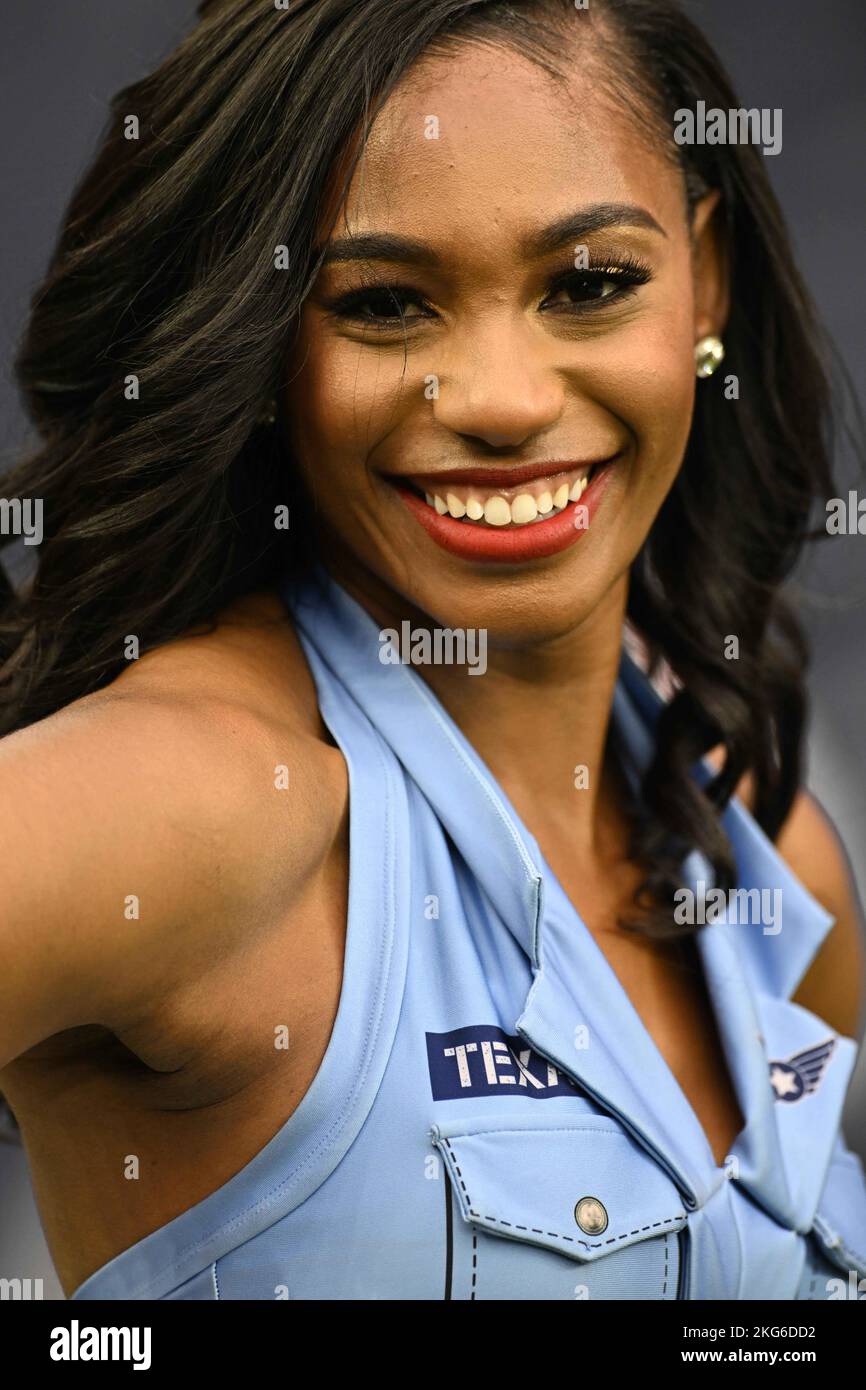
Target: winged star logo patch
<point>801,1074</point>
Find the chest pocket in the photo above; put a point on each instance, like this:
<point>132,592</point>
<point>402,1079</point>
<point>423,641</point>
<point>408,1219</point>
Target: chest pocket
<point>572,1209</point>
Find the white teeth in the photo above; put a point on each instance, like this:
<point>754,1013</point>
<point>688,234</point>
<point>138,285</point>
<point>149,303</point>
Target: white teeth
<point>497,511</point>
<point>524,508</point>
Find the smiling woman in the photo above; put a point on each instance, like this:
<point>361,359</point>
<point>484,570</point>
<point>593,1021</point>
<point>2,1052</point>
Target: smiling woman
<point>314,931</point>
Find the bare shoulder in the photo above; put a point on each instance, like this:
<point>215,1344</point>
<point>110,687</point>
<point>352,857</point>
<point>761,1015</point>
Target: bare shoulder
<point>810,844</point>
<point>193,797</point>
<point>238,705</point>
<point>215,722</point>
<point>251,659</point>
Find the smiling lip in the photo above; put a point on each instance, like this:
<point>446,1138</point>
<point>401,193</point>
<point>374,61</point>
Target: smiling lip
<point>498,478</point>
<point>506,545</point>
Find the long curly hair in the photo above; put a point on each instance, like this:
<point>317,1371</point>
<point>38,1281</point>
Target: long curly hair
<point>162,326</point>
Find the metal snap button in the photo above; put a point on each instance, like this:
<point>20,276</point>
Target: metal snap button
<point>591,1216</point>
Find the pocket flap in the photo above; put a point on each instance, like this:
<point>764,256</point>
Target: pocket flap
<point>840,1221</point>
<point>583,1187</point>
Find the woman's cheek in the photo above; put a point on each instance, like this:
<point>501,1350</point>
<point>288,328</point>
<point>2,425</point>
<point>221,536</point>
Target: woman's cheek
<point>346,397</point>
<point>652,391</point>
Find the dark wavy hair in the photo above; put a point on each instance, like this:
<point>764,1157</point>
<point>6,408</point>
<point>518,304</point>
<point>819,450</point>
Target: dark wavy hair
<point>160,510</point>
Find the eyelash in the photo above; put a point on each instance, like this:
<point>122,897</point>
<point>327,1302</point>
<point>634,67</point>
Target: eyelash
<point>629,273</point>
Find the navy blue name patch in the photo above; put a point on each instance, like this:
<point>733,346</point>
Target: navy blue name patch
<point>484,1061</point>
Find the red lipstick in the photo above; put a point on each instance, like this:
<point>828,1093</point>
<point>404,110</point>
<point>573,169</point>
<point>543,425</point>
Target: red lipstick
<point>511,545</point>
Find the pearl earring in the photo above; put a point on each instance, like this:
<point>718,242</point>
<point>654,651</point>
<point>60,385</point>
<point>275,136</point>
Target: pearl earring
<point>268,413</point>
<point>709,353</point>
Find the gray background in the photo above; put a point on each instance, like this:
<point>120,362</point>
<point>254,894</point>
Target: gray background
<point>63,63</point>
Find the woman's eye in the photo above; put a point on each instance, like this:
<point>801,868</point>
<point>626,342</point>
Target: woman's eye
<point>587,287</point>
<point>381,307</point>
<point>387,307</point>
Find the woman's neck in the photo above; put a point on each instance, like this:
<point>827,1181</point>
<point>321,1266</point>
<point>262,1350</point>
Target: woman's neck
<point>538,716</point>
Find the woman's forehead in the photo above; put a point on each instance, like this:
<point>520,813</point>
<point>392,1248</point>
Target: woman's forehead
<point>484,132</point>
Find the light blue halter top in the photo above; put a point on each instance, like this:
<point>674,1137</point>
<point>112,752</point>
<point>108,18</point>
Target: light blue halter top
<point>491,1119</point>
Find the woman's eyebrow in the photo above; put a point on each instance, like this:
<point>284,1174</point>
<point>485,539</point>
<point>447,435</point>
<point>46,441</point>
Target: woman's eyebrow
<point>573,227</point>
<point>577,225</point>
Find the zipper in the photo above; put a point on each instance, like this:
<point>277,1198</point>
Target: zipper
<point>449,1234</point>
<point>683,1255</point>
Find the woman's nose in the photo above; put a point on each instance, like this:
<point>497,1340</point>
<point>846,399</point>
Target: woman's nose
<point>502,389</point>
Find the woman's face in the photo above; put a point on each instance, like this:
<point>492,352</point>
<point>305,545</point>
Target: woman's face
<point>551,301</point>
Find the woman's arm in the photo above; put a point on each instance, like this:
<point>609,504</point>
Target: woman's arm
<point>141,840</point>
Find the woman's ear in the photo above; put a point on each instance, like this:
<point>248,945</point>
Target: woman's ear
<point>710,268</point>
